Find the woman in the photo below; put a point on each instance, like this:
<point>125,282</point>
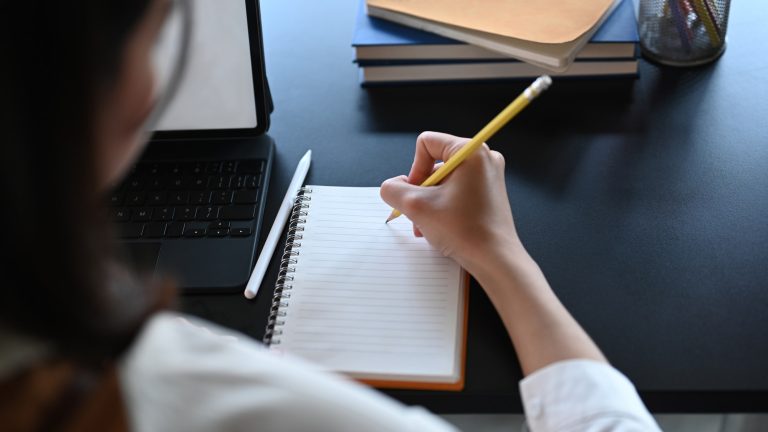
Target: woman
<point>85,344</point>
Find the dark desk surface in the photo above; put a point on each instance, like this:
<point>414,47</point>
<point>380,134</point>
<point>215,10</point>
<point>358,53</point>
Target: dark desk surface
<point>646,204</point>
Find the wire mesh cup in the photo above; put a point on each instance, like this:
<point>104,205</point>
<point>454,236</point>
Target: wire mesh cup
<point>683,32</point>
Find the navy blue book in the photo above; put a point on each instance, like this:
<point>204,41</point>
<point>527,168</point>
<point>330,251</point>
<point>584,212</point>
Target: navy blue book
<point>379,41</point>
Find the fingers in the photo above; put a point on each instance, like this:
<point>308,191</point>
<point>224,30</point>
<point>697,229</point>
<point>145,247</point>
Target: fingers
<point>498,159</point>
<point>403,196</point>
<point>430,147</point>
<point>395,192</point>
<point>417,231</point>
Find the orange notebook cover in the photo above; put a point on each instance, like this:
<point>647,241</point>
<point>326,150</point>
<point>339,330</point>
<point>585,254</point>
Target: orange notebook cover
<point>542,21</point>
<point>368,299</point>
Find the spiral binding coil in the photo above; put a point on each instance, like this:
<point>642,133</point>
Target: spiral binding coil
<point>288,262</point>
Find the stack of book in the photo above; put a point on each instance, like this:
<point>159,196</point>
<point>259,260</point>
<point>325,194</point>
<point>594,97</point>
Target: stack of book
<point>397,48</point>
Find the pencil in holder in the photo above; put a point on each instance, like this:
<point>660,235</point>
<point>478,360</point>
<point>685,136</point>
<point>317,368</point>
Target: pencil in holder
<point>683,32</point>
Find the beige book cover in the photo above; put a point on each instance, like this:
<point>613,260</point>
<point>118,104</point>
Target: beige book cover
<point>542,21</point>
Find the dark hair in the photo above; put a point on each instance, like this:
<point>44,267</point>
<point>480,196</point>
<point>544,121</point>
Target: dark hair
<point>60,281</point>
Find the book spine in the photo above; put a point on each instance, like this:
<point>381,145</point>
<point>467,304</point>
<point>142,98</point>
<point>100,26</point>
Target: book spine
<point>288,261</point>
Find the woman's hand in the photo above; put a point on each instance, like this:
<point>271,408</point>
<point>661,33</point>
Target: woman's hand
<point>467,217</point>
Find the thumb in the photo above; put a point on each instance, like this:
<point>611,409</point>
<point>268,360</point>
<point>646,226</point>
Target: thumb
<point>403,196</point>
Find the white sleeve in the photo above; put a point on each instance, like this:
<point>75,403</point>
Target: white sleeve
<point>583,395</point>
<point>183,374</point>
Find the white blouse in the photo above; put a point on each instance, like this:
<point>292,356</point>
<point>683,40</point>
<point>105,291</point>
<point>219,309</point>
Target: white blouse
<point>185,374</point>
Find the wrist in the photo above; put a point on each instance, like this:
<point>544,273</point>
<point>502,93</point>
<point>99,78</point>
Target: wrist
<point>507,266</point>
<point>497,258</point>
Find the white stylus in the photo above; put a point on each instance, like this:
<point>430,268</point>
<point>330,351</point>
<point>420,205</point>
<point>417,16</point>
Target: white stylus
<point>277,227</point>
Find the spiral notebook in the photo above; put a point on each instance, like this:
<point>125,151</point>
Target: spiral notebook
<point>368,299</point>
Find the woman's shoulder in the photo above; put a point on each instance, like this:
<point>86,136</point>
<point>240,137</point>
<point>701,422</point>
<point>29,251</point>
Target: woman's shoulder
<point>184,373</point>
<point>179,366</point>
<point>174,334</point>
<point>172,346</point>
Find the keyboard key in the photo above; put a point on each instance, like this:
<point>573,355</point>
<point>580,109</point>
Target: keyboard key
<point>154,230</point>
<point>135,199</point>
<point>157,198</point>
<point>120,214</point>
<point>185,213</point>
<point>213,168</point>
<point>141,214</point>
<point>155,183</point>
<point>250,166</point>
<point>219,182</point>
<point>238,212</point>
<point>245,196</point>
<point>238,181</point>
<point>176,169</point>
<point>197,168</point>
<point>178,182</point>
<point>116,199</point>
<point>158,168</point>
<point>218,232</point>
<point>207,213</point>
<point>147,168</point>
<point>178,198</point>
<point>130,230</point>
<point>199,198</point>
<point>174,229</point>
<point>218,225</point>
<point>163,214</point>
<point>222,197</point>
<point>228,167</point>
<point>198,182</point>
<point>194,232</point>
<point>240,232</point>
<point>135,184</point>
<point>253,181</point>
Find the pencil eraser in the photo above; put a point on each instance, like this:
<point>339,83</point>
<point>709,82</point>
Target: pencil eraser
<point>542,83</point>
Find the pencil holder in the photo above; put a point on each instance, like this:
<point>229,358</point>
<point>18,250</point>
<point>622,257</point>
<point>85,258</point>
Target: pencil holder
<point>683,32</point>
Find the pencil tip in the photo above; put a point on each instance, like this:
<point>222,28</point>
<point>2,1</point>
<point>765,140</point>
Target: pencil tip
<point>392,216</point>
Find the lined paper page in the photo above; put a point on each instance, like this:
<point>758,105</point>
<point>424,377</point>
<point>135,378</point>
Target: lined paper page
<point>369,298</point>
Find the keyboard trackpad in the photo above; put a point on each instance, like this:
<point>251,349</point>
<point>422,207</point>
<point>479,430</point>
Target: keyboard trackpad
<point>143,256</point>
<point>205,264</point>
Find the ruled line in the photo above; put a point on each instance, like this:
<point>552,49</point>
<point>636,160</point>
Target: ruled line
<point>314,251</point>
<point>347,333</point>
<point>409,240</point>
<point>371,247</point>
<point>335,233</point>
<point>376,343</point>
<point>438,297</point>
<point>436,267</point>
<point>361,326</point>
<point>344,336</point>
<point>366,283</point>
<point>436,275</point>
<point>412,319</point>
<point>389,278</point>
<point>435,297</point>
<point>371,351</point>
<point>371,290</point>
<point>377,228</point>
<point>365,313</point>
<point>368,309</point>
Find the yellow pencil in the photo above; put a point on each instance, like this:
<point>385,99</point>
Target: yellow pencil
<point>517,105</point>
<point>708,21</point>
